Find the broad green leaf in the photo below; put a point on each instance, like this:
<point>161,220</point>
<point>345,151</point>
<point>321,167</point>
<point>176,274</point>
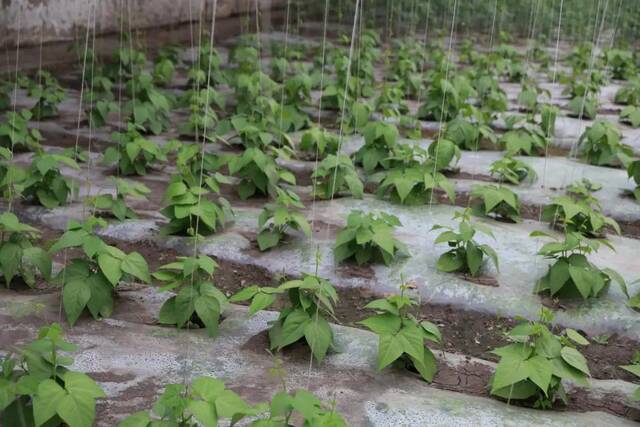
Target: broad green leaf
<point>267,239</point>
<point>208,310</point>
<point>135,265</point>
<point>261,301</point>
<point>508,372</point>
<point>575,359</point>
<point>576,337</point>
<point>110,267</point>
<point>390,348</point>
<point>46,401</point>
<point>293,327</point>
<point>7,393</point>
<point>539,370</point>
<point>449,262</point>
<point>75,295</point>
<point>77,411</point>
<point>474,257</point>
<point>318,334</point>
<point>138,419</point>
<point>384,323</point>
<point>204,412</point>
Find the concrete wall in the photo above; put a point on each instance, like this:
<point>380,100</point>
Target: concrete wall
<point>33,21</point>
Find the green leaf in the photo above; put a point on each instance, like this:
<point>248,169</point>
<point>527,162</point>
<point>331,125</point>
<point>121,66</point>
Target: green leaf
<point>245,294</point>
<point>135,265</point>
<point>474,257</point>
<point>385,241</point>
<point>412,339</point>
<point>491,253</point>
<point>390,348</point>
<point>385,323</point>
<point>110,267</point>
<point>318,334</point>
<point>77,411</point>
<point>539,370</point>
<point>293,327</point>
<point>46,401</point>
<point>634,369</point>
<point>261,301</point>
<point>449,262</point>
<point>208,310</point>
<point>75,295</point>
<point>204,412</point>
<point>7,393</point>
<point>268,239</point>
<point>509,371</point>
<point>576,337</point>
<point>167,314</point>
<point>575,359</point>
<point>427,366</point>
<point>138,419</point>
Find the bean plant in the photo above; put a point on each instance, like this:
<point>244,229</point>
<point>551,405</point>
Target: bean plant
<point>19,255</point>
<point>310,301</point>
<point>402,335</point>
<point>336,174</point>
<point>88,280</point>
<point>466,255</point>
<point>197,300</point>
<point>571,274</point>
<point>497,201</point>
<point>39,388</point>
<point>512,170</point>
<point>601,145</point>
<point>368,238</point>
<point>534,365</point>
<point>278,217</point>
<point>15,133</point>
<point>44,182</point>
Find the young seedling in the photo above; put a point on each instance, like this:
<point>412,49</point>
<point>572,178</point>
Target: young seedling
<point>630,115</point>
<point>467,134</point>
<point>336,174</point>
<point>368,238</point>
<point>401,335</point>
<point>39,388</point>
<point>466,255</point>
<point>411,179</point>
<point>134,154</point>
<point>276,218</point>
<point>89,280</point>
<point>310,302</point>
<point>258,173</point>
<point>48,94</point>
<point>197,300</point>
<point>528,140</point>
<point>190,212</point>
<point>15,133</point>
<point>512,170</point>
<point>319,140</point>
<point>148,108</point>
<point>117,206</point>
<point>19,256</point>
<point>380,138</point>
<point>496,201</point>
<point>601,145</point>
<point>572,275</point>
<point>534,365</point>
<point>45,184</point>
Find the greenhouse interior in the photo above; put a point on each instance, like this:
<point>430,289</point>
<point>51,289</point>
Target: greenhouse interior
<point>326,213</point>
